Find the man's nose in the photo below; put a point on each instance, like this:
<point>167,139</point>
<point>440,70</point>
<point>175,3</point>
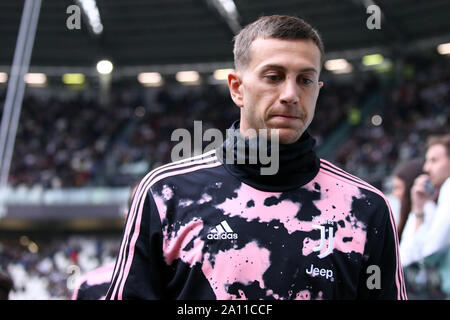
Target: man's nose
<point>290,92</point>
<point>425,167</point>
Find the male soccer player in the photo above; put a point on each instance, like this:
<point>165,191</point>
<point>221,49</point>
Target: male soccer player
<point>209,228</point>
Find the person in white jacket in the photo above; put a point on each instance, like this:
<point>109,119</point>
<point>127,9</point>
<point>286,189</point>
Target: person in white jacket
<point>431,230</point>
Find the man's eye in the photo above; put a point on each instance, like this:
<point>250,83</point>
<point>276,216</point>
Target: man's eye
<point>273,77</point>
<point>306,81</point>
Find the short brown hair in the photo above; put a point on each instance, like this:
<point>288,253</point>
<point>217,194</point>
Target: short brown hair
<point>275,26</point>
<point>442,139</point>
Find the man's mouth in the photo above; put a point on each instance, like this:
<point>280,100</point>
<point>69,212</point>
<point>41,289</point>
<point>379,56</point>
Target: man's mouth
<point>287,119</point>
<point>282,116</point>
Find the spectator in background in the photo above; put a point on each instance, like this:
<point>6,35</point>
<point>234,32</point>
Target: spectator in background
<point>432,227</point>
<point>437,167</point>
<point>6,285</point>
<point>403,179</point>
<point>94,284</point>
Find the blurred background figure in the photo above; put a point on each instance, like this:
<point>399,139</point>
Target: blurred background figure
<point>402,182</point>
<point>94,284</point>
<point>415,224</point>
<point>428,227</point>
<point>435,182</point>
<point>425,246</point>
<point>6,285</point>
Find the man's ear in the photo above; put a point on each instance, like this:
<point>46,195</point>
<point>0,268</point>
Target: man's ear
<point>235,87</point>
<point>320,84</point>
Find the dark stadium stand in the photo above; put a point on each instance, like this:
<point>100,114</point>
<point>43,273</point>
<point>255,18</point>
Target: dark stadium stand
<point>78,143</point>
<point>412,110</point>
<point>46,268</point>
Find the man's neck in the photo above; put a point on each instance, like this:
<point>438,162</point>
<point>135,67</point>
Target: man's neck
<point>298,163</point>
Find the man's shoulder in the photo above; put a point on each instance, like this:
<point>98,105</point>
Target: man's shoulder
<point>444,195</point>
<point>445,189</point>
<point>347,180</point>
<point>181,169</point>
<point>99,275</point>
<point>90,286</point>
<point>368,202</point>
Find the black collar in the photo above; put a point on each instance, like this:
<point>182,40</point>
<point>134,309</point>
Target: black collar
<point>298,163</point>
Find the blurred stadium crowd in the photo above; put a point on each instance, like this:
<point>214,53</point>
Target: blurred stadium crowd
<point>410,111</point>
<point>47,269</point>
<point>77,142</point>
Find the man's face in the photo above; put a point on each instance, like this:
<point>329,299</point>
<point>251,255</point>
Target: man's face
<point>437,165</point>
<point>279,87</point>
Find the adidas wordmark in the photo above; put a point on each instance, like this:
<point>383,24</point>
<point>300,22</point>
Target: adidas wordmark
<point>222,231</point>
